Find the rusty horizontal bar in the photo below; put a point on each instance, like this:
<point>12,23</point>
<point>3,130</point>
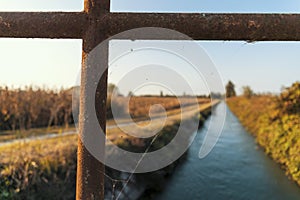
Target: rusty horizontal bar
<point>43,24</point>
<point>249,27</point>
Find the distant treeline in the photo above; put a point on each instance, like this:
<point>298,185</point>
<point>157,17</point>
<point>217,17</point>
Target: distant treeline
<point>34,107</point>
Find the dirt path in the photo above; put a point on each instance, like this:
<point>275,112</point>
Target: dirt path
<point>187,112</point>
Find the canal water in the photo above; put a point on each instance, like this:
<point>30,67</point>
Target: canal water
<point>235,169</point>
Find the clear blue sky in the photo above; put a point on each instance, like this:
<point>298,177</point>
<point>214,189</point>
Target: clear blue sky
<point>265,66</point>
<point>159,5</point>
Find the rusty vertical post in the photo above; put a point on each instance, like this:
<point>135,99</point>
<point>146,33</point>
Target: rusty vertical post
<point>90,171</point>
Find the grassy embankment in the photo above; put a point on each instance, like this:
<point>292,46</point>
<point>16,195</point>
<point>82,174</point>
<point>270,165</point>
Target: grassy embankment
<point>275,123</point>
<point>46,169</point>
<point>39,169</point>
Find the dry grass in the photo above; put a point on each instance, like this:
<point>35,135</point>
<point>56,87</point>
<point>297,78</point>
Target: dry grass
<point>46,169</point>
<point>39,169</point>
<point>118,135</point>
<point>139,106</point>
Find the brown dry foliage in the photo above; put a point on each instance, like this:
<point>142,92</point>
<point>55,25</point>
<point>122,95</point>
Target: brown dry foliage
<point>34,107</point>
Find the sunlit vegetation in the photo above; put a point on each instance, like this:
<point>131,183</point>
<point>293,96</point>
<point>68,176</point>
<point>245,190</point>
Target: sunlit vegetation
<point>275,122</point>
<point>247,92</point>
<point>163,137</point>
<point>46,169</point>
<point>39,169</point>
<point>34,107</point>
<point>23,109</point>
<point>140,105</point>
<point>33,111</point>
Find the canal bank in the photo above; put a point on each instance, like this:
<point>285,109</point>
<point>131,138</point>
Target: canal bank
<point>122,185</point>
<point>236,169</point>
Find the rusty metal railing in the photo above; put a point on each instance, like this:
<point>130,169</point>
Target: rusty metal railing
<point>96,23</point>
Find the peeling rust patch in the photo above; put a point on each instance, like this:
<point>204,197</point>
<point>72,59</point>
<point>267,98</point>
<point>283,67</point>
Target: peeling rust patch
<point>2,22</point>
